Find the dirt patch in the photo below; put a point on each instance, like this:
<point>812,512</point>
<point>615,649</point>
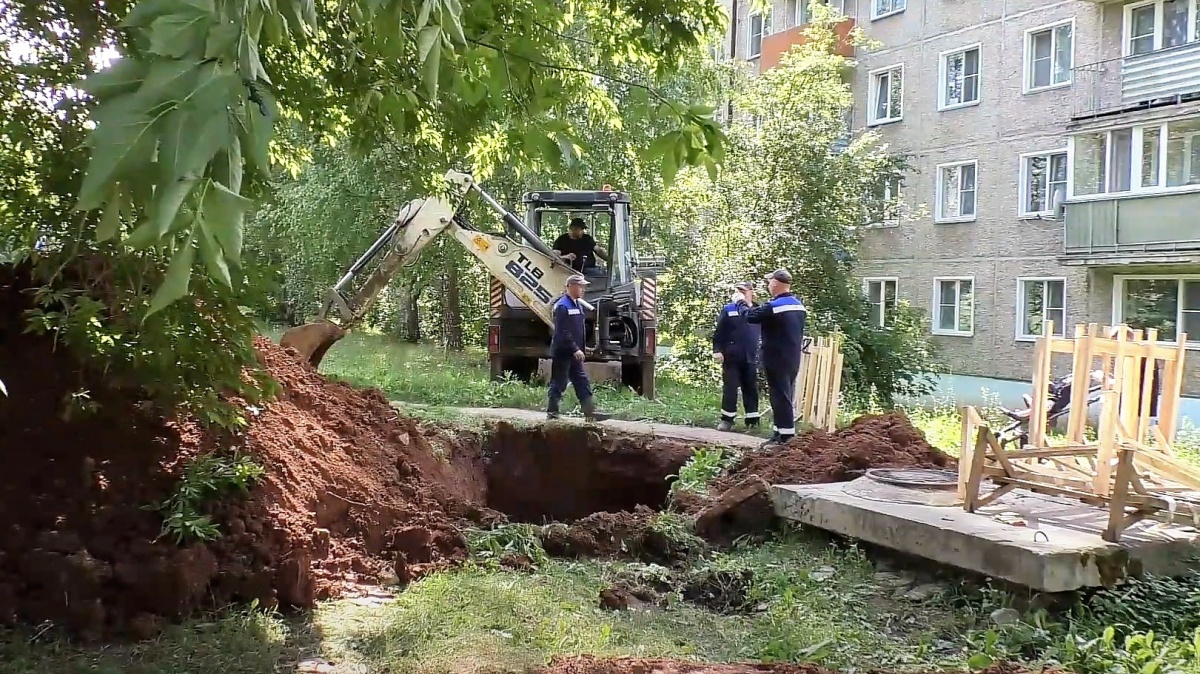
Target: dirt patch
<point>639,535</point>
<point>593,665</point>
<point>738,503</point>
<point>353,494</point>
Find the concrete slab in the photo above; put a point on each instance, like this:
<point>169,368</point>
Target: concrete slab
<point>1059,550</point>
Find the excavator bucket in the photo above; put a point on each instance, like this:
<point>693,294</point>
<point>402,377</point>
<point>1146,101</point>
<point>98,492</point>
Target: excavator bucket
<point>312,340</point>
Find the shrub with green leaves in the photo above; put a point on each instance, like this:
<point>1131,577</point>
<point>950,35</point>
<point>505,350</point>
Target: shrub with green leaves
<point>204,479</point>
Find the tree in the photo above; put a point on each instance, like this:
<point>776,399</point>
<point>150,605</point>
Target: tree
<point>795,192</point>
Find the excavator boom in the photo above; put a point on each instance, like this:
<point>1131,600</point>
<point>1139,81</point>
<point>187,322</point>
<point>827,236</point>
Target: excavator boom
<point>529,268</point>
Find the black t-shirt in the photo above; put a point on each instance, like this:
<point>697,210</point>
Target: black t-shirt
<point>584,248</point>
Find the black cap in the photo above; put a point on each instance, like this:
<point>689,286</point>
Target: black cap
<point>781,275</point>
<point>577,223</point>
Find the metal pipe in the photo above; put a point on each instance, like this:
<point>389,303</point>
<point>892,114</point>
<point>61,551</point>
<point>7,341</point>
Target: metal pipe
<point>514,222</point>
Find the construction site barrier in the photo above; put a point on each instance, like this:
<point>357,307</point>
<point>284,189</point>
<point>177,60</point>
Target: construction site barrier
<point>1130,469</point>
<point>819,383</point>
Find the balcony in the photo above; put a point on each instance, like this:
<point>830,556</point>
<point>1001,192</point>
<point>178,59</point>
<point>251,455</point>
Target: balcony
<point>774,46</point>
<point>1163,77</point>
<point>1147,229</point>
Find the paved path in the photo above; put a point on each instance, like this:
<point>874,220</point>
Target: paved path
<point>687,433</point>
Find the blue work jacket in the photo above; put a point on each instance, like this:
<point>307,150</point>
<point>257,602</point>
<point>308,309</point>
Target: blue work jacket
<point>736,338</point>
<point>570,322</point>
<point>783,320</point>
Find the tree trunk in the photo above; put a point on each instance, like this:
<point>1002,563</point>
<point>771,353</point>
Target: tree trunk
<point>410,318</point>
<point>451,308</point>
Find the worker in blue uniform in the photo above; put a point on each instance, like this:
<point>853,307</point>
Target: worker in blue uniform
<point>735,347</point>
<point>566,351</point>
<point>783,321</point>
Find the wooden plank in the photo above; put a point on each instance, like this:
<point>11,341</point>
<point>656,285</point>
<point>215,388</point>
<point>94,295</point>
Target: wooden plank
<point>1041,383</point>
<point>838,363</point>
<point>1120,497</point>
<point>994,494</point>
<point>1081,377</point>
<point>978,459</point>
<point>1147,388</point>
<point>1107,436</point>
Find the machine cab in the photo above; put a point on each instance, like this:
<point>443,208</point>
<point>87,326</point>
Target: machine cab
<point>606,215</point>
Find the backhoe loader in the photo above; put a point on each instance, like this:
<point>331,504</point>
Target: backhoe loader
<point>527,277</point>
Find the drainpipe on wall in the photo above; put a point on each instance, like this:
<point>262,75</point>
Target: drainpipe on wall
<point>733,32</point>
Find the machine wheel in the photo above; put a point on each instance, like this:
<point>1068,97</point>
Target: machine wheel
<point>520,367</point>
<point>639,377</point>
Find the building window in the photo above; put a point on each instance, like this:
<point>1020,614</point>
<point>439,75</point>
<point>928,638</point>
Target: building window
<point>884,203</point>
<point>1169,304</point>
<point>956,192</point>
<point>1049,56</point>
<point>881,293</point>
<point>1040,300</point>
<point>960,78</point>
<point>1043,182</point>
<point>1143,158</point>
<point>887,95</point>
<point>882,8</point>
<point>758,27</point>
<point>1159,24</point>
<point>954,306</point>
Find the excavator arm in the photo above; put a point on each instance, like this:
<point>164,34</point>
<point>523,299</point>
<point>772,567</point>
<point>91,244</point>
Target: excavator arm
<point>528,268</point>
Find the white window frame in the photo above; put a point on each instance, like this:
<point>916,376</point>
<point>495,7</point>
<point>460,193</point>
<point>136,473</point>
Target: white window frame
<point>944,71</point>
<point>940,217</point>
<point>873,93</point>
<point>1127,24</point>
<point>937,305</point>
<point>1118,300</point>
<point>880,321</point>
<point>1027,86</point>
<point>1060,330</point>
<point>892,12</point>
<point>1135,164</point>
<point>765,18</point>
<point>1022,191</point>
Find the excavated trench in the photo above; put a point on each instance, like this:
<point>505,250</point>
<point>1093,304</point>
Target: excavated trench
<point>562,473</point>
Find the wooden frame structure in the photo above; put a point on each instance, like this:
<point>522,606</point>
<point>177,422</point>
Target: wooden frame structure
<point>1130,468</point>
<point>819,383</point>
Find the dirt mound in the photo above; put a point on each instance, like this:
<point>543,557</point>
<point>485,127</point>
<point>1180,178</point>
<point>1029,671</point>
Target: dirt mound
<point>353,494</point>
<point>739,503</point>
<point>592,665</point>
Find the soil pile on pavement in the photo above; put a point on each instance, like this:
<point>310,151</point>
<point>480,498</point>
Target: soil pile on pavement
<point>739,502</point>
<point>353,493</point>
<point>593,665</point>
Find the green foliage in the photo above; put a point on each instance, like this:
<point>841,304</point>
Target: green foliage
<point>1170,606</point>
<point>204,479</point>
<point>492,545</point>
<point>795,191</point>
<point>201,84</point>
<point>704,466</point>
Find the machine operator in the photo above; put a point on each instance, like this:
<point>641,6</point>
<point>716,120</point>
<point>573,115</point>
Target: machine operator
<point>578,247</point>
<point>735,347</point>
<point>566,351</point>
<point>783,320</point>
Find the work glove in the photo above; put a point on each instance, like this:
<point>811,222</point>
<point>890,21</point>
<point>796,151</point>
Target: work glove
<point>737,297</point>
<point>719,357</point>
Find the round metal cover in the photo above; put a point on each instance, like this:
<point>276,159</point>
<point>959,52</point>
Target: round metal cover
<point>916,478</point>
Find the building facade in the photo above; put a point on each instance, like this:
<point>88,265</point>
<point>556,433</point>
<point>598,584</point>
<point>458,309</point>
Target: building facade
<point>1055,153</point>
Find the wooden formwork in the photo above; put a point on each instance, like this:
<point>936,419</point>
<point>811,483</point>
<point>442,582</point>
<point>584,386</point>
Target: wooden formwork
<point>1130,468</point>
<point>819,383</point>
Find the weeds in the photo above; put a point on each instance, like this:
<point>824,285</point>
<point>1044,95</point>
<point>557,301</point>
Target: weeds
<point>204,479</point>
<point>506,540</point>
<point>705,465</point>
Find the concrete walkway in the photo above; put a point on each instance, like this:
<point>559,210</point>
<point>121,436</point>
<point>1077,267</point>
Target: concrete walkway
<point>704,436</point>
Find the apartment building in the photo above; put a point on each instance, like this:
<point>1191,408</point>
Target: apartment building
<point>1055,148</point>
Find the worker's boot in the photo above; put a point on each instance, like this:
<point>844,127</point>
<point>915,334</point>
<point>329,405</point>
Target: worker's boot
<point>552,410</point>
<point>590,412</point>
<point>751,423</point>
<point>774,441</point>
<point>725,426</point>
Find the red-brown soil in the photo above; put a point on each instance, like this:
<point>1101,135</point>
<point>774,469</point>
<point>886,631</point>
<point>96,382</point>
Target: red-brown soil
<point>738,502</point>
<point>593,665</point>
<point>353,494</point>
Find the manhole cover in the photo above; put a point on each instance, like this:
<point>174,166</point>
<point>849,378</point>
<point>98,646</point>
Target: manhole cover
<point>916,478</point>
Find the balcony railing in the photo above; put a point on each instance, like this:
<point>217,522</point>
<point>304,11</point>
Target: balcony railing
<point>1108,87</point>
<point>1132,225</point>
